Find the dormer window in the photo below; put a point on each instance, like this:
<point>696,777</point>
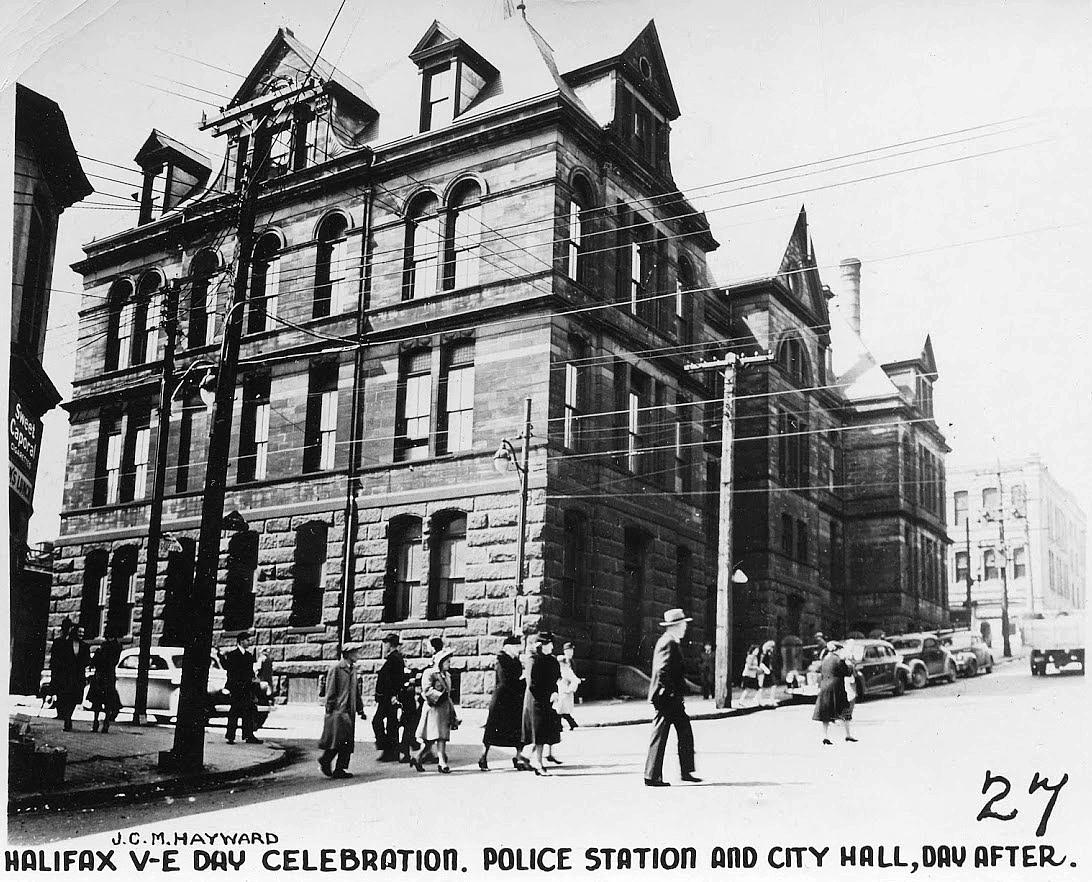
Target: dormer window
<point>172,173</point>
<point>924,396</point>
<point>452,76</point>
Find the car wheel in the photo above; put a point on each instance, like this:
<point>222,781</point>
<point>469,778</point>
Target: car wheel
<point>972,668</point>
<point>952,673</point>
<point>918,678</point>
<point>900,685</point>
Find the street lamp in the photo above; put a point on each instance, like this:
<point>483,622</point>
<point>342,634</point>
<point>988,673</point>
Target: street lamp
<point>738,576</point>
<point>504,460</point>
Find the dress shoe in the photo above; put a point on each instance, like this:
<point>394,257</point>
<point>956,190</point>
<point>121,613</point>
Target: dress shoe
<point>691,778</point>
<point>404,759</point>
<point>827,741</point>
<point>253,740</point>
<point>850,738</point>
<point>326,770</point>
<point>341,773</point>
<point>540,772</point>
<point>655,782</point>
<point>554,760</point>
<point>416,763</point>
<point>445,770</point>
<point>483,764</point>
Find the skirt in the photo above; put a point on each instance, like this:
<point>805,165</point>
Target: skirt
<point>831,704</point>
<point>749,682</point>
<point>541,724</point>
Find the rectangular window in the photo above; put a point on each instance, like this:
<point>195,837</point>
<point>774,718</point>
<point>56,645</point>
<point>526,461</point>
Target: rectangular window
<point>989,565</point>
<point>140,462</point>
<point>425,257</point>
<point>320,430</point>
<point>633,431</point>
<point>575,241</point>
<point>328,429</point>
<point>802,541</point>
<point>279,153</point>
<point>125,335</point>
<point>1019,563</point>
<point>254,430</point>
<point>185,439</point>
<point>466,245</point>
<point>786,535</point>
<point>792,451</point>
<point>457,385</point>
<point>962,567</point>
<point>341,298</point>
<point>413,422</point>
<point>408,596</point>
<point>151,328</point>
<point>959,499</point>
<point>636,293</point>
<point>572,405</point>
<point>113,467</point>
<point>438,98</point>
<point>682,457</point>
<point>210,316</point>
<point>989,499</point>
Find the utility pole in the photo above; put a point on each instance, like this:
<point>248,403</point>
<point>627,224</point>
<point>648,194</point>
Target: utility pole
<point>155,513</point>
<point>1006,645</point>
<point>968,577</point>
<point>521,539</point>
<point>188,751</point>
<point>722,661</point>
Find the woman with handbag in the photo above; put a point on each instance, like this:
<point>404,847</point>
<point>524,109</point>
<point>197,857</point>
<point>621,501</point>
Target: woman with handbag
<point>541,724</point>
<point>438,718</point>
<point>833,703</point>
<point>767,685</point>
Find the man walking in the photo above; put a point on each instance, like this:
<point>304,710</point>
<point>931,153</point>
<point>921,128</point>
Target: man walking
<point>666,691</point>
<point>343,703</point>
<point>239,664</point>
<point>388,684</point>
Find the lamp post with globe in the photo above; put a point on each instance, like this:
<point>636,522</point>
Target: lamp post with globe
<point>504,461</point>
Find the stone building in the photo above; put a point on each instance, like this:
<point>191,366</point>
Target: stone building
<point>839,467</point>
<point>48,179</point>
<point>489,221</point>
<point>1043,555</point>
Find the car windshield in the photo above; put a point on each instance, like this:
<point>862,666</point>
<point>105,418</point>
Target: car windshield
<point>906,645</point>
<point>853,651</point>
<point>959,641</point>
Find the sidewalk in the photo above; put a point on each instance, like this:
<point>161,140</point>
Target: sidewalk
<point>124,763</point>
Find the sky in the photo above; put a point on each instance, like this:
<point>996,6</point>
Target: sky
<point>983,248</point>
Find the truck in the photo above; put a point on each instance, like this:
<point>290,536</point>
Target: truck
<point>1055,641</point>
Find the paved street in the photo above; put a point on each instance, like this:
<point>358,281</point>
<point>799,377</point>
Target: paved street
<point>915,778</point>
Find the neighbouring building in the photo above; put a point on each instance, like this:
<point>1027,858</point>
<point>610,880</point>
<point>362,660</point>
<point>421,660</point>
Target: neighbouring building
<point>838,520</point>
<point>48,179</point>
<point>1043,556</point>
<point>492,220</point>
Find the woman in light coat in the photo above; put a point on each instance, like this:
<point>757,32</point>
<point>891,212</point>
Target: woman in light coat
<point>567,685</point>
<point>832,703</point>
<point>438,717</point>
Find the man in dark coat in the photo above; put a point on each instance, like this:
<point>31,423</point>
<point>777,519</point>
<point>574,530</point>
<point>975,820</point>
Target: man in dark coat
<point>239,664</point>
<point>68,660</point>
<point>388,684</point>
<point>343,704</point>
<point>411,700</point>
<point>666,690</point>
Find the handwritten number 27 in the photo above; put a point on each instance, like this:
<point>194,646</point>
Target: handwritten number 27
<point>1037,783</point>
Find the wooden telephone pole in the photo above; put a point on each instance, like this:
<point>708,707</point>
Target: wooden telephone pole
<point>722,676</point>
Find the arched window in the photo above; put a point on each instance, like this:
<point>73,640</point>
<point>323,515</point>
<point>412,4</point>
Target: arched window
<point>202,325</point>
<point>332,272</point>
<point>580,204</point>
<point>684,282</point>
<point>464,235</point>
<point>448,569</point>
<point>573,566</point>
<point>794,361</point>
<point>308,575</point>
<point>119,339</point>
<point>242,566</point>
<point>402,598</point>
<point>122,596</point>
<point>93,597</point>
<point>178,593</point>
<point>146,319</point>
<point>265,283</point>
<point>423,242</point>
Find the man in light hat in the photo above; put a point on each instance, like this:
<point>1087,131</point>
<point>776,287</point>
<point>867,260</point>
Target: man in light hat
<point>388,684</point>
<point>343,703</point>
<point>666,691</point>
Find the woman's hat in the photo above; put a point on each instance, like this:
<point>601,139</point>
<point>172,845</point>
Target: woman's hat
<point>769,644</point>
<point>512,640</point>
<point>545,636</point>
<point>437,643</point>
<point>569,645</point>
<point>443,655</point>
<point>673,617</point>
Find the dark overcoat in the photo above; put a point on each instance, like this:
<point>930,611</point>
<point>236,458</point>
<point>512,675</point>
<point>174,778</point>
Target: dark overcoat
<point>832,703</point>
<point>541,724</point>
<point>343,703</point>
<point>504,724</point>
<point>68,673</point>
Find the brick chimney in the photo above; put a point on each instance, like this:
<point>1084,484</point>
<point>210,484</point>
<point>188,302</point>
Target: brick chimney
<point>851,291</point>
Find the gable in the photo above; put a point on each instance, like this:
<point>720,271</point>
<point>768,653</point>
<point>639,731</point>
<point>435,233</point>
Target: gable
<point>645,59</point>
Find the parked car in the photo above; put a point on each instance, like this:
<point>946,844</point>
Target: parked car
<point>926,658</point>
<point>1056,642</point>
<point>877,669</point>
<point>969,651</point>
<point>165,680</point>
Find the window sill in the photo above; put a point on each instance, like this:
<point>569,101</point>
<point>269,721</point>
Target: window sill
<point>424,624</point>
<point>311,629</point>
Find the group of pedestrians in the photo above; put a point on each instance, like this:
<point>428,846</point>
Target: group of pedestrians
<point>69,658</point>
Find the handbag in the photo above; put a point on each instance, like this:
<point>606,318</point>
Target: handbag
<point>851,689</point>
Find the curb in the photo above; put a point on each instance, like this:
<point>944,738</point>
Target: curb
<point>107,794</point>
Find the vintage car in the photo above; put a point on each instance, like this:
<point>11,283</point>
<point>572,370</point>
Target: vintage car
<point>165,680</point>
<point>969,651</point>
<point>926,658</point>
<point>877,669</point>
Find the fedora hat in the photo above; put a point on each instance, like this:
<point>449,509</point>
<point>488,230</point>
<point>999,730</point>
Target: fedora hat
<point>392,639</point>
<point>673,617</point>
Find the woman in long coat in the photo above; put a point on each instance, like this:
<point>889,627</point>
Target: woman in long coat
<point>343,703</point>
<point>68,660</point>
<point>541,724</point>
<point>832,703</point>
<point>438,718</point>
<point>504,724</point>
<point>567,686</point>
<point>104,684</point>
